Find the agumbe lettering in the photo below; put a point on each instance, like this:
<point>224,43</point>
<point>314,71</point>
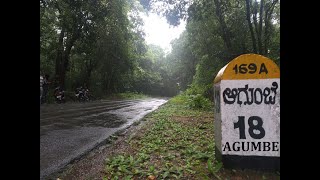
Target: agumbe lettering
<point>251,146</point>
<point>251,95</point>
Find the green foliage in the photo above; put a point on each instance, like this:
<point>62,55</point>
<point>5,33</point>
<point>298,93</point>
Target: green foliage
<point>198,102</point>
<point>179,99</point>
<point>213,169</point>
<point>206,70</point>
<point>101,43</point>
<point>194,98</point>
<point>180,63</point>
<point>195,89</point>
<point>215,34</point>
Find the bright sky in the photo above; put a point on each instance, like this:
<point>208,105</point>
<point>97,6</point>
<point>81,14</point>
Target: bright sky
<point>159,32</point>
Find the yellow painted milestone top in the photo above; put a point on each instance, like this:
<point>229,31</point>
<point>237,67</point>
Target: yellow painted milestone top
<point>249,66</point>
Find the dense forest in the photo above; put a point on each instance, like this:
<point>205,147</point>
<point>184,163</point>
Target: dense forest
<point>101,43</point>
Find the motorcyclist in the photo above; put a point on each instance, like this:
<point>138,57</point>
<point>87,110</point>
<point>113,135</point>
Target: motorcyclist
<point>59,95</point>
<point>86,92</point>
<point>45,87</point>
<point>41,86</point>
<point>78,92</point>
<point>82,93</point>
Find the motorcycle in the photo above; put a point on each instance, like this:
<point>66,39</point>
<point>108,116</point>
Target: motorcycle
<point>59,95</point>
<point>82,94</point>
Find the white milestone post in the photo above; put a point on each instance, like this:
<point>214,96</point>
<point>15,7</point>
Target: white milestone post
<point>247,113</point>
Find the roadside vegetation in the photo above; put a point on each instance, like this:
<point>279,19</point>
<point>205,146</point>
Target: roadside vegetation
<point>177,143</point>
<point>127,95</point>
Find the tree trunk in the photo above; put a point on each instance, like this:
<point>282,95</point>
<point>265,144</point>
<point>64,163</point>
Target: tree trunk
<point>64,66</point>
<point>260,27</point>
<point>59,58</point>
<point>255,21</point>
<point>266,33</point>
<point>89,72</point>
<point>267,20</point>
<point>254,45</point>
<point>224,29</point>
<point>71,39</point>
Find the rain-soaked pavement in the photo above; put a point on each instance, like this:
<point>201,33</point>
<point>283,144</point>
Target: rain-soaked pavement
<point>68,131</point>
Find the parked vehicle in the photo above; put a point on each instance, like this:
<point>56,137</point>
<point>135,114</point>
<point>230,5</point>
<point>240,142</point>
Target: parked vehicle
<point>59,95</point>
<point>82,94</point>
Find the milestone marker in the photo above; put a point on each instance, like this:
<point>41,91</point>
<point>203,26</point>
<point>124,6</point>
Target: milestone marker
<point>247,113</point>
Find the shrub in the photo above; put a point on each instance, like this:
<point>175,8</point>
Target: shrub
<point>198,101</point>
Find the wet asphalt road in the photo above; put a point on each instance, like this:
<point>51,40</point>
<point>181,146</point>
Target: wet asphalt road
<point>67,131</point>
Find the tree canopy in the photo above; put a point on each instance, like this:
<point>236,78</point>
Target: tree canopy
<point>102,43</point>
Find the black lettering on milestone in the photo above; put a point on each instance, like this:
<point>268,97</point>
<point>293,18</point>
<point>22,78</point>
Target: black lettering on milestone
<point>243,145</point>
<point>274,146</point>
<point>236,148</point>
<point>266,93</point>
<point>229,94</point>
<point>241,126</point>
<point>235,68</point>
<point>274,89</point>
<point>263,68</point>
<point>266,146</point>
<point>252,68</point>
<point>255,96</point>
<point>257,127</point>
<point>242,90</point>
<point>227,145</point>
<point>256,147</point>
<point>252,95</point>
<point>243,69</point>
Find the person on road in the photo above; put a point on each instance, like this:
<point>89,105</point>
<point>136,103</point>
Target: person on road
<point>45,85</point>
<point>41,86</point>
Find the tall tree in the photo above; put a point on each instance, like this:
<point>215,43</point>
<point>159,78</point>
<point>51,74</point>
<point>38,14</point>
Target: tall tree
<point>263,10</point>
<point>218,31</point>
<point>74,19</point>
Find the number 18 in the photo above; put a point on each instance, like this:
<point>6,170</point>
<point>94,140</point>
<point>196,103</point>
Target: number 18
<point>241,125</point>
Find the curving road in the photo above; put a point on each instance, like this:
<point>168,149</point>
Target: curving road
<point>68,131</point>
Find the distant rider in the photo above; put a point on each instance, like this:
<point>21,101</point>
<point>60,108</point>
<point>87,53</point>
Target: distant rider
<point>41,86</point>
<point>45,86</point>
